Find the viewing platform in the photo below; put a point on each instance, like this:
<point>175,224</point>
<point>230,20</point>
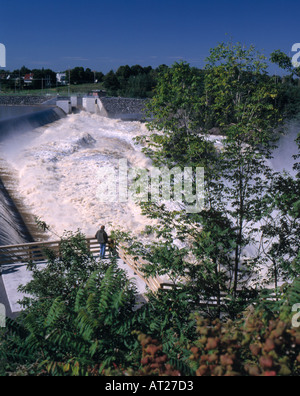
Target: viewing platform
<point>14,272</point>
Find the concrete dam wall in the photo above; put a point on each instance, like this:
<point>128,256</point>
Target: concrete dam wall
<point>125,109</point>
<point>13,230</point>
<point>19,114</point>
<point>21,100</point>
<point>20,119</point>
<point>15,120</point>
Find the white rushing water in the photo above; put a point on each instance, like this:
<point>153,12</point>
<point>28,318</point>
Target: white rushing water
<point>58,170</point>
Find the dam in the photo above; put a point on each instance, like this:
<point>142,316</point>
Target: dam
<point>16,119</point>
<point>51,157</point>
<point>58,163</point>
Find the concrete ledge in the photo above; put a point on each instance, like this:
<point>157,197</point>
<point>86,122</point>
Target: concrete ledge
<point>65,105</point>
<point>40,116</point>
<point>91,104</point>
<point>15,100</point>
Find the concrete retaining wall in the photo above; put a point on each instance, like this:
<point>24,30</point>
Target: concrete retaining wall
<point>126,109</point>
<point>38,117</point>
<point>22,100</point>
<point>65,105</point>
<point>90,104</point>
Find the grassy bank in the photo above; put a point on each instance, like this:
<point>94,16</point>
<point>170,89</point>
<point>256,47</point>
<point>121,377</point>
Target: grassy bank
<point>62,90</point>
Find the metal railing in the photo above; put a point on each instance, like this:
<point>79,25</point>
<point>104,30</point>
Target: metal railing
<point>39,252</point>
<point>154,284</point>
<point>36,251</point>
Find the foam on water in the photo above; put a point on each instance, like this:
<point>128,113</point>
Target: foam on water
<point>58,171</point>
<point>58,168</point>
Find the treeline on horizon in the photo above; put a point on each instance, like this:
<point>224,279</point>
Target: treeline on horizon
<point>131,81</point>
<point>140,82</point>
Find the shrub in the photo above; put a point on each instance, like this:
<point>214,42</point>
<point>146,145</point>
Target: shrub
<point>251,347</point>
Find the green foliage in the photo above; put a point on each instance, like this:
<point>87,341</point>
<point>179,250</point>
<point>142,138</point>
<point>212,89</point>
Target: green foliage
<point>64,272</point>
<point>74,316</point>
<point>284,62</point>
<point>281,231</point>
<point>236,95</point>
<point>239,92</point>
<point>288,100</point>
<point>133,82</point>
<point>80,76</point>
<point>97,331</point>
<point>80,317</point>
<point>175,108</point>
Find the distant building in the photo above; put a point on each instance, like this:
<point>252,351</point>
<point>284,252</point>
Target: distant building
<point>28,79</point>
<point>98,93</point>
<point>61,78</point>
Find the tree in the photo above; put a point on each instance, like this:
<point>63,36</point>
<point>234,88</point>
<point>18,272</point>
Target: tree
<point>89,76</point>
<point>124,72</point>
<point>139,86</point>
<point>77,75</point>
<point>74,318</point>
<point>24,70</point>
<point>99,76</point>
<point>87,324</point>
<point>135,81</point>
<point>282,226</point>
<point>236,95</point>
<point>43,79</point>
<point>175,111</point>
<point>240,98</point>
<point>136,70</point>
<point>284,62</point>
<point>111,83</point>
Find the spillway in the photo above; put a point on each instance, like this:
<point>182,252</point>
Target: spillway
<point>56,166</point>
<point>16,121</point>
<point>58,170</point>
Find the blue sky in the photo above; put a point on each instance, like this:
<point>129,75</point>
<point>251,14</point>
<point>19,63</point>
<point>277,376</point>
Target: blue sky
<point>103,35</point>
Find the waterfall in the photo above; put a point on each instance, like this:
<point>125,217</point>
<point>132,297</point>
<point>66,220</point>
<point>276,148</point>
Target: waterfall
<point>287,147</point>
<point>14,122</point>
<point>58,168</point>
<point>12,227</point>
<point>59,171</point>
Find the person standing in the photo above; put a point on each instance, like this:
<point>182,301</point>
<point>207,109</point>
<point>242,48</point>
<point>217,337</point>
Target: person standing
<point>102,238</point>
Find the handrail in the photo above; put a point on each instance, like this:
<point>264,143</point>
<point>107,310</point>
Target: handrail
<point>154,284</point>
<point>36,252</point>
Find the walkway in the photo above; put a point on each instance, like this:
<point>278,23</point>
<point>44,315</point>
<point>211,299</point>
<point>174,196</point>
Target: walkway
<point>14,271</point>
